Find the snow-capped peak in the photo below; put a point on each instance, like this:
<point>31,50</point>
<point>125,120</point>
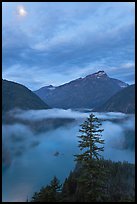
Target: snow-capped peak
<point>98,74</point>
<point>50,87</point>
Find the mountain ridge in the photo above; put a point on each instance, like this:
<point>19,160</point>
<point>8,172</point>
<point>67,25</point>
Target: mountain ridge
<point>15,95</point>
<point>123,101</point>
<point>87,92</point>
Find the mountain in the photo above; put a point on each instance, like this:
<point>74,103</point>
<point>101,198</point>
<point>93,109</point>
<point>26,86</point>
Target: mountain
<point>123,101</point>
<point>15,95</point>
<point>87,92</point>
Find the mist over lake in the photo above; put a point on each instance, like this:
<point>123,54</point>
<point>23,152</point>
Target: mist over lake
<point>32,155</point>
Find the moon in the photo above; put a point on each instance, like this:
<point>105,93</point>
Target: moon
<point>21,11</point>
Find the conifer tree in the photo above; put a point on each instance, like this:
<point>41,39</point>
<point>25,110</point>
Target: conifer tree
<point>90,140</point>
<point>91,144</point>
<point>50,193</point>
<point>55,184</point>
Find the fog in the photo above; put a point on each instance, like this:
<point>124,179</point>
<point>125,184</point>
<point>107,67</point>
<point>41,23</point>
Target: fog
<point>50,113</point>
<point>31,158</point>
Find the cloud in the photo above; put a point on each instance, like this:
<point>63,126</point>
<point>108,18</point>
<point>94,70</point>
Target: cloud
<point>32,157</point>
<point>129,123</point>
<point>36,115</point>
<point>67,39</point>
<point>12,137</point>
<point>128,65</point>
<point>18,138</point>
<point>110,115</point>
<point>113,141</point>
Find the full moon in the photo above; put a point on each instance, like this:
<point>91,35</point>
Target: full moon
<point>21,11</point>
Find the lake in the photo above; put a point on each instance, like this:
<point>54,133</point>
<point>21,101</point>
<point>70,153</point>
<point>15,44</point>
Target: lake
<point>38,145</point>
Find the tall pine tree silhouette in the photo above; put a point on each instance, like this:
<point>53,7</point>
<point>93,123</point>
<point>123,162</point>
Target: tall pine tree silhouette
<point>93,173</point>
<point>90,140</point>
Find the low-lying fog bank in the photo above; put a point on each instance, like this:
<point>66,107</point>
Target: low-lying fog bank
<point>32,153</point>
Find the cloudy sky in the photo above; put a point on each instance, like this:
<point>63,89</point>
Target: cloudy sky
<point>53,42</point>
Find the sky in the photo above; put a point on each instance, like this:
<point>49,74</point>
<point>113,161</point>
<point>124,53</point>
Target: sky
<point>47,43</point>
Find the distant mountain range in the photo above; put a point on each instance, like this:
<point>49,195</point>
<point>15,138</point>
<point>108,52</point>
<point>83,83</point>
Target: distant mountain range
<point>97,91</point>
<point>88,92</point>
<point>123,101</point>
<point>15,95</point>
